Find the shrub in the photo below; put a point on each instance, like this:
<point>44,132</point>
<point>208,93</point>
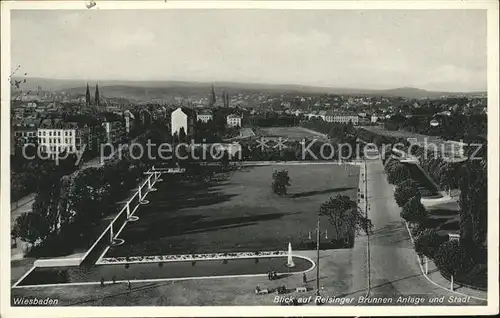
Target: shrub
<point>404,193</point>
<point>453,259</point>
<point>418,230</point>
<point>413,211</point>
<point>397,173</point>
<point>428,242</point>
<point>477,277</point>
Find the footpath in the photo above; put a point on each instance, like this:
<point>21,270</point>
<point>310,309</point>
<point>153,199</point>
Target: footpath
<point>432,273</point>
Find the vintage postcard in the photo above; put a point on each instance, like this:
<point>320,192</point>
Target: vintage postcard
<point>249,158</point>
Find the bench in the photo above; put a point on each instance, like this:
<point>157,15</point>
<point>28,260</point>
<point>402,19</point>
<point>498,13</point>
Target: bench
<point>301,289</point>
<point>262,292</point>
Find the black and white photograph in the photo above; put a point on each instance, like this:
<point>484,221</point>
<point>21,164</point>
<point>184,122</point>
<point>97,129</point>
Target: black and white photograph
<point>249,158</point>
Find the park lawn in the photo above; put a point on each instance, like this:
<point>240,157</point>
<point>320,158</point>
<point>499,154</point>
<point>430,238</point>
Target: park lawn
<point>291,133</point>
<point>238,214</point>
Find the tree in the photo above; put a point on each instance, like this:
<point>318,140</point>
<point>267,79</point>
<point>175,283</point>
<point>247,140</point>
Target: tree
<point>473,204</point>
<point>428,242</point>
<point>280,182</point>
<point>88,195</point>
<point>225,159</point>
<point>404,193</point>
<point>397,173</point>
<point>182,135</point>
<point>447,176</point>
<point>453,258</point>
<point>175,138</point>
<point>413,211</point>
<point>30,227</point>
<point>344,215</point>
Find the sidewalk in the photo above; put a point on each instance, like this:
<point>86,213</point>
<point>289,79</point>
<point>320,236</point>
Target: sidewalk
<point>25,205</point>
<point>22,202</point>
<point>435,277</point>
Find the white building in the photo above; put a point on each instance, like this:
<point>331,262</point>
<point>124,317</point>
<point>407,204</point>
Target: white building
<point>233,120</point>
<point>115,131</point>
<point>57,136</point>
<point>322,114</point>
<point>342,118</point>
<point>205,117</point>
<point>182,118</point>
<point>128,118</point>
<point>313,114</point>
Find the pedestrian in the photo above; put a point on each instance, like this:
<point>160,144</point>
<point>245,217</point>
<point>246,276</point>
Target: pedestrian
<point>129,285</point>
<point>269,275</point>
<point>114,279</point>
<point>304,278</point>
<point>102,281</point>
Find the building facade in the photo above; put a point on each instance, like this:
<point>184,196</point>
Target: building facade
<point>183,118</point>
<point>57,136</point>
<point>24,133</point>
<point>115,131</point>
<point>233,120</point>
<point>205,117</point>
<point>342,118</point>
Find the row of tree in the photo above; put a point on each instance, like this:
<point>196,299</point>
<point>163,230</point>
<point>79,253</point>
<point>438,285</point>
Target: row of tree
<point>31,175</point>
<point>68,207</point>
<point>273,120</point>
<point>453,126</point>
<point>465,259</point>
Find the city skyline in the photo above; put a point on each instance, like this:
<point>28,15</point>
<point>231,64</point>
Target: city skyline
<point>441,50</point>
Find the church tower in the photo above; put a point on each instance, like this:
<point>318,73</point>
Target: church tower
<point>212,98</point>
<point>87,96</point>
<point>97,97</point>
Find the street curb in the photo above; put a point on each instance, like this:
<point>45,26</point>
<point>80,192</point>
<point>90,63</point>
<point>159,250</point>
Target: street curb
<point>154,280</point>
<point>419,261</point>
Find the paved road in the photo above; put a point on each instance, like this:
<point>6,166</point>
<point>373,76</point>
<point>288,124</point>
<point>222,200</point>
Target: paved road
<point>394,268</point>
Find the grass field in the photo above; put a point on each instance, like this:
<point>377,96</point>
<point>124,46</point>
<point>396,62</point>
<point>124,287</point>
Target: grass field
<point>240,214</point>
<point>291,133</point>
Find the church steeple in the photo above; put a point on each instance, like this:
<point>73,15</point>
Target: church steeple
<point>212,98</point>
<point>223,96</point>
<point>87,96</point>
<point>97,97</point>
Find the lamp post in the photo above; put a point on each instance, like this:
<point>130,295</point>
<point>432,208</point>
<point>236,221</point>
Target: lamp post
<point>317,258</point>
<point>367,230</point>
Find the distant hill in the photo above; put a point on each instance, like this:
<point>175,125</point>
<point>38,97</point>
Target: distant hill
<point>161,89</point>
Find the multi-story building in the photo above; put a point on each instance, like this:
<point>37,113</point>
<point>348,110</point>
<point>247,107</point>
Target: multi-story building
<point>25,132</point>
<point>342,118</point>
<point>233,120</point>
<point>56,136</point>
<point>114,131</point>
<point>205,116</point>
<point>184,118</point>
<point>128,116</point>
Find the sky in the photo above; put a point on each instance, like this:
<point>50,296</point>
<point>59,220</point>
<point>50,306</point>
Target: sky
<point>441,50</point>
